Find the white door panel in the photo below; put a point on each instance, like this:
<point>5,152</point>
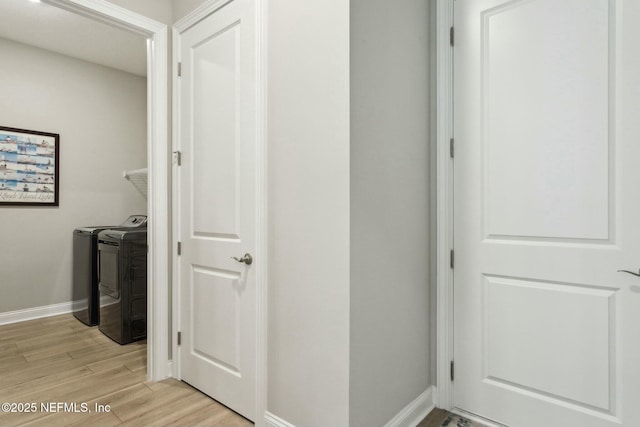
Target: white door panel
<point>547,100</point>
<point>217,206</point>
<point>545,86</point>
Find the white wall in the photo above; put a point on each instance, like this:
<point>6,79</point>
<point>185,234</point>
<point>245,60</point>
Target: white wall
<point>390,310</point>
<point>308,69</point>
<point>100,114</point>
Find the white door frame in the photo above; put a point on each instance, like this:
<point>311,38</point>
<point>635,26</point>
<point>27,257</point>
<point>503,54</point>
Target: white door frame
<point>444,215</point>
<point>157,159</point>
<point>206,9</point>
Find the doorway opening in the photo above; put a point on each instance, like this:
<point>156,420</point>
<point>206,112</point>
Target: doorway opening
<point>157,160</point>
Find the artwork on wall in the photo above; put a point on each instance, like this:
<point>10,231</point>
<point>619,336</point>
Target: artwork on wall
<point>29,173</point>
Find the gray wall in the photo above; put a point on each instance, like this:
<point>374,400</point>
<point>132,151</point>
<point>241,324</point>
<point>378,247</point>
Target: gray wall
<point>100,114</point>
<point>182,8</point>
<point>390,310</point>
<point>308,134</point>
<point>159,10</point>
<point>308,69</point>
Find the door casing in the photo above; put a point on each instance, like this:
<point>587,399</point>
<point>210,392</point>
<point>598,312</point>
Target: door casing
<point>206,9</point>
<point>442,150</point>
<point>444,229</point>
<point>158,366</point>
<point>444,203</point>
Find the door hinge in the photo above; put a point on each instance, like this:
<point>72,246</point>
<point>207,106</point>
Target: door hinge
<point>179,338</point>
<point>177,157</point>
<point>451,37</point>
<point>452,259</point>
<point>179,248</point>
<point>452,371</point>
<point>451,151</point>
<point>179,69</point>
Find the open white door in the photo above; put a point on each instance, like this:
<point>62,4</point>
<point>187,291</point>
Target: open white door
<point>217,210</point>
<point>547,210</point>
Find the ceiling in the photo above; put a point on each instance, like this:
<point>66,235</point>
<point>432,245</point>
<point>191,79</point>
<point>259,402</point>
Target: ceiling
<point>51,28</point>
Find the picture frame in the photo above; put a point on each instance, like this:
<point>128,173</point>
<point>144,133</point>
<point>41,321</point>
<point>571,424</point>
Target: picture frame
<point>29,167</point>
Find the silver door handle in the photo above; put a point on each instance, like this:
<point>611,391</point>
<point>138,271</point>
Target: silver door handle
<point>247,259</point>
<point>630,272</point>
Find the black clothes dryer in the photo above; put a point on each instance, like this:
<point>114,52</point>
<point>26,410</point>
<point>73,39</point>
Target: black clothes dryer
<point>122,281</point>
<point>85,268</point>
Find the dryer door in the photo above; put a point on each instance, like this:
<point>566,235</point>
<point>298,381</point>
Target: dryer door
<point>110,293</point>
<point>108,269</point>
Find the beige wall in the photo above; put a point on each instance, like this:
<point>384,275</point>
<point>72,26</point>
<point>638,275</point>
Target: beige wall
<point>100,114</point>
<point>390,310</point>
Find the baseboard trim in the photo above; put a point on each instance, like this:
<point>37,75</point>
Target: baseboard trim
<point>39,312</point>
<point>414,412</point>
<point>409,416</point>
<point>271,420</point>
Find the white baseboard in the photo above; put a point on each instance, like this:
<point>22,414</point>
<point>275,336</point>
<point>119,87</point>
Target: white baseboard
<point>39,312</point>
<point>271,420</point>
<point>414,412</point>
<point>48,310</point>
<point>409,416</point>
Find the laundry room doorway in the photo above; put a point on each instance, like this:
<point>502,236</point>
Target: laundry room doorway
<point>158,366</point>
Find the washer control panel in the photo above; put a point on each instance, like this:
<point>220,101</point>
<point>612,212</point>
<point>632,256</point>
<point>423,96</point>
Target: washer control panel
<point>135,221</point>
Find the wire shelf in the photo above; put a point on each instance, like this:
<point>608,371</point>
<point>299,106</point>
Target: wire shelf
<point>138,178</point>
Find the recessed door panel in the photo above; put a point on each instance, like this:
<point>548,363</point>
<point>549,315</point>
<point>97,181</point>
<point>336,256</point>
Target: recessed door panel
<point>547,73</point>
<point>215,316</point>
<point>214,156</point>
<point>560,332</point>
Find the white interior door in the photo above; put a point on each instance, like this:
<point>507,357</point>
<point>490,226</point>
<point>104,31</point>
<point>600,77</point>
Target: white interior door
<point>547,210</point>
<point>217,182</point>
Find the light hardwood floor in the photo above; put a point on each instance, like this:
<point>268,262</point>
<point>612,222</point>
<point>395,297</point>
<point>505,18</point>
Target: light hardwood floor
<point>59,359</point>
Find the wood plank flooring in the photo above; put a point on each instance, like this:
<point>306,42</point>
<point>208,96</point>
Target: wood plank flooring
<point>434,419</point>
<point>59,359</point>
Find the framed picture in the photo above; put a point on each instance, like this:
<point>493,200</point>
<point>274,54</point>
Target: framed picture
<point>29,167</point>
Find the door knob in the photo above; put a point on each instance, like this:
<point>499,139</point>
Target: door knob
<point>247,259</point>
<point>629,272</point>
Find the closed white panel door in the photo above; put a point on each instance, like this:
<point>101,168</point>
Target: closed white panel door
<point>547,210</point>
<point>218,207</point>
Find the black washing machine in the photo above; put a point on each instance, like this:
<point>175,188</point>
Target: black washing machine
<point>122,281</point>
<point>85,268</point>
